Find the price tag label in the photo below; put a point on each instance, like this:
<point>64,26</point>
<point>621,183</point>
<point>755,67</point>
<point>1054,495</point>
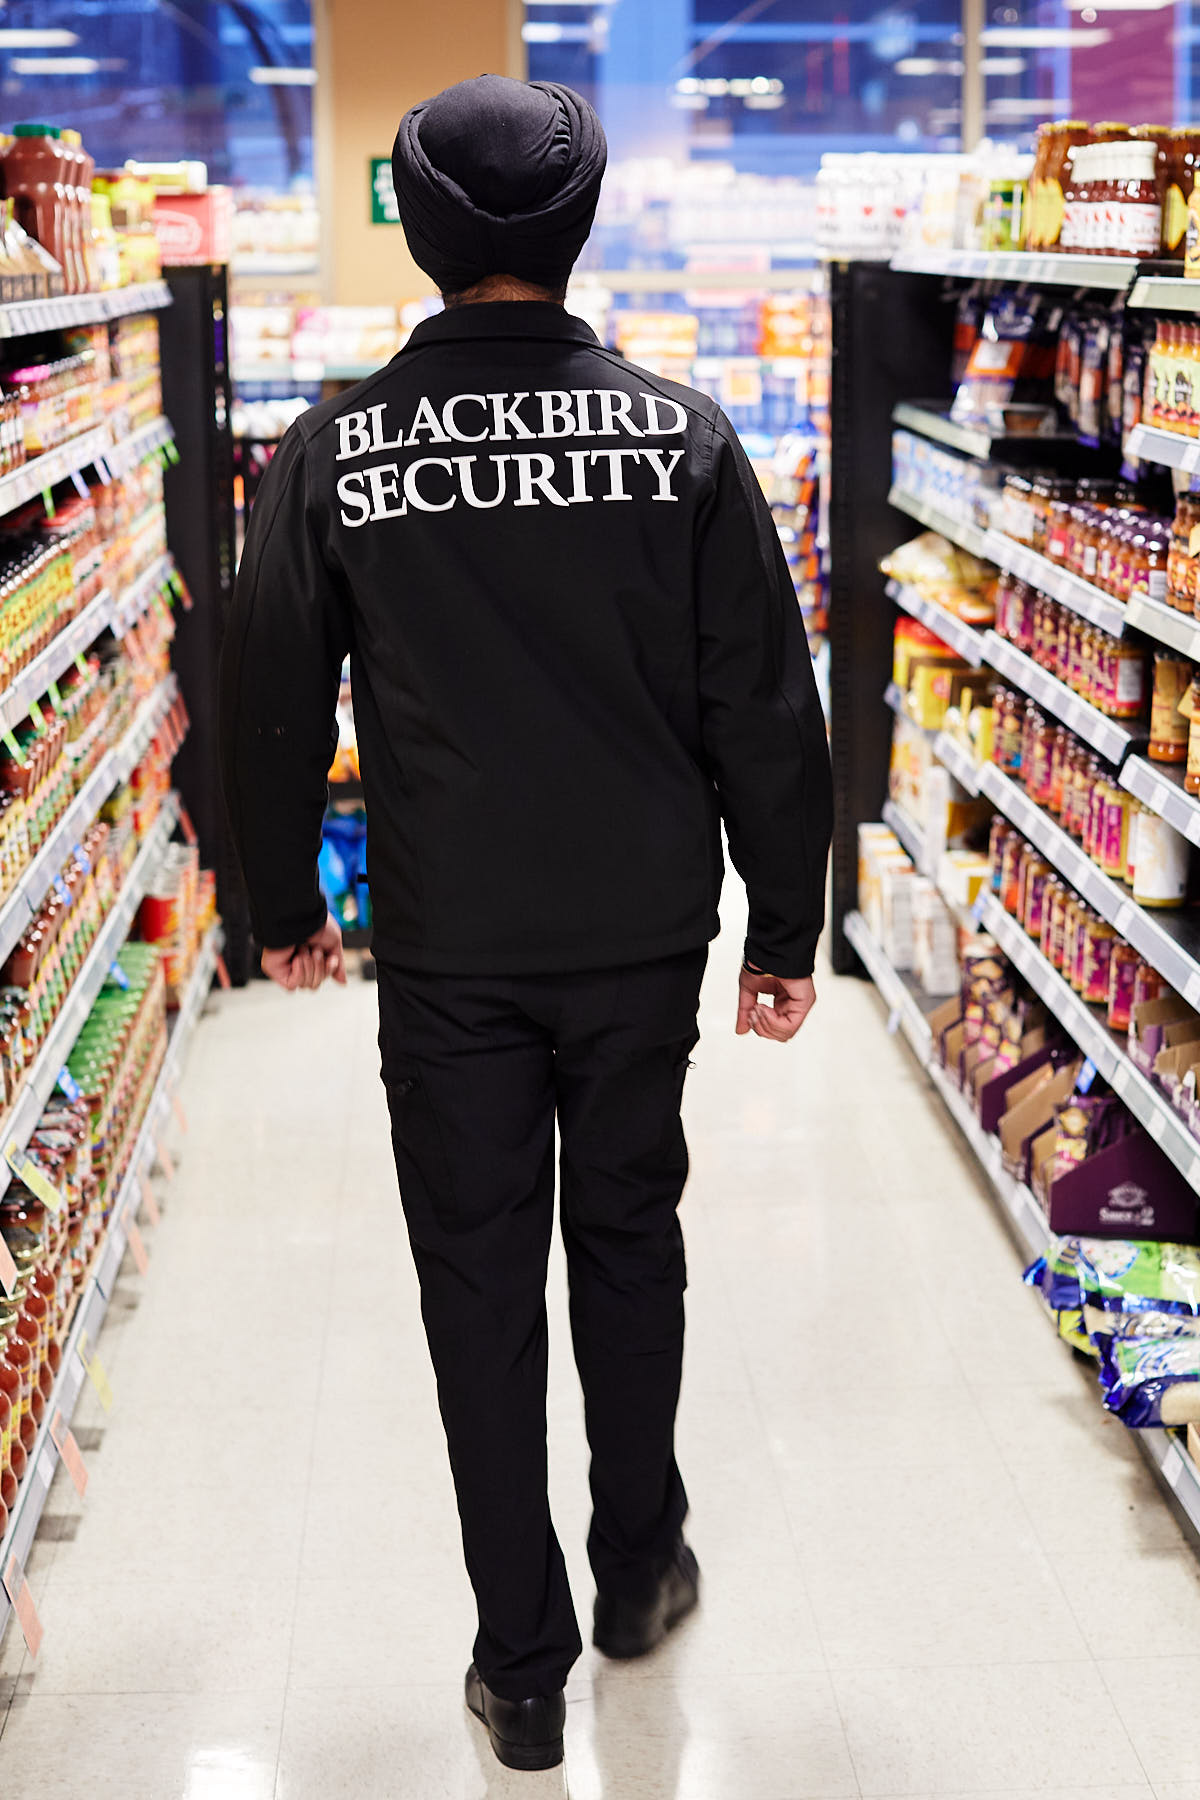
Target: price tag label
<point>63,1439</point>
<point>186,826</point>
<point>79,484</point>
<point>150,1202</point>
<point>1122,1079</point>
<point>37,715</point>
<point>8,1269</point>
<point>35,1179</point>
<point>1191,992</point>
<point>118,975</point>
<point>11,745</point>
<point>67,1084</point>
<point>1124,914</point>
<point>96,1373</point>
<point>893,1021</point>
<point>137,1244</point>
<point>180,1115</point>
<point>164,1159</point>
<point>223,974</point>
<point>1157,1126</point>
<point>979,905</point>
<point>48,502</point>
<point>55,697</point>
<point>17,1589</point>
<point>1086,1077</point>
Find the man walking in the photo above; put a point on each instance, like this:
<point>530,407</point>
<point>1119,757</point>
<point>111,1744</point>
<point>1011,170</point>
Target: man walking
<point>575,649</point>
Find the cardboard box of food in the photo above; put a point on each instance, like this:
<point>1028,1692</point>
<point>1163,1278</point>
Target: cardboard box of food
<point>195,228</point>
<point>1127,1190</point>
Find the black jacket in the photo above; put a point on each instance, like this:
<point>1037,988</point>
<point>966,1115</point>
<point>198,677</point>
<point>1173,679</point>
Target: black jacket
<point>575,647</point>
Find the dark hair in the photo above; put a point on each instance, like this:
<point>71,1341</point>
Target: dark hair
<point>504,287</point>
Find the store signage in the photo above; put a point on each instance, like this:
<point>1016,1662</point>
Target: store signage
<point>384,210</point>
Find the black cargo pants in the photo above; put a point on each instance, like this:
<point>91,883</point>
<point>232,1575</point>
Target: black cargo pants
<point>476,1070</point>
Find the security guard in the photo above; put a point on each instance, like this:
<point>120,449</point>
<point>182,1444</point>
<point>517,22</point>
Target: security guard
<point>575,649</point>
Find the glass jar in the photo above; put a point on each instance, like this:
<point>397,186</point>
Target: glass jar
<point>1169,728</point>
<point>1122,973</point>
<point>1127,692</point>
<point>1160,869</point>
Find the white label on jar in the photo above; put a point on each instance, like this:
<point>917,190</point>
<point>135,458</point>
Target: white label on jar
<point>1140,227</point>
<point>1160,871</point>
<point>1089,560</point>
<point>1156,582</point>
<point>1131,680</point>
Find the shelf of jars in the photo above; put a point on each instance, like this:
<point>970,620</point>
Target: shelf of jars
<point>1063,585</point>
<point>959,531</point>
<point>101,446</point>
<point>105,612</point>
<point>1178,630</point>
<point>96,1292</point>
<point>972,440</point>
<point>1046,269</point>
<point>1169,942</point>
<point>1160,787</point>
<point>1113,738</point>
<point>20,1121</point>
<point>20,318</point>
<point>1165,293</point>
<point>963,638</point>
<point>1150,443</point>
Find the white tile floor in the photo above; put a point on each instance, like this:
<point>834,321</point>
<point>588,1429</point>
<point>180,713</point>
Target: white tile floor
<point>932,1566</point>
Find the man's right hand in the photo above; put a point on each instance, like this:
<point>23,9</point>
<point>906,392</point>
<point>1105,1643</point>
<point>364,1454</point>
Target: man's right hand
<point>792,1001</point>
<point>308,964</point>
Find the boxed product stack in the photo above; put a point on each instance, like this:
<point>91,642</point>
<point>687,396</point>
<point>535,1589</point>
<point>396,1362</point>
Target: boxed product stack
<point>935,940</point>
<point>885,892</point>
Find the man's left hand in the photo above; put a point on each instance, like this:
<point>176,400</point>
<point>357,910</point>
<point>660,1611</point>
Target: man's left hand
<point>792,1001</point>
<point>308,964</point>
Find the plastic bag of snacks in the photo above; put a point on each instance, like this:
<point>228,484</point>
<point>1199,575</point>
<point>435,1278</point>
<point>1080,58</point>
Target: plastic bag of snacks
<point>1147,1382</point>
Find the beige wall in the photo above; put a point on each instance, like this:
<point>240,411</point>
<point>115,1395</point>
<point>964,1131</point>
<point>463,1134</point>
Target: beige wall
<point>375,59</point>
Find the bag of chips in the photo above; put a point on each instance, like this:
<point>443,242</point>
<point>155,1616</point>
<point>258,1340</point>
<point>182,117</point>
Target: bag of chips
<point>1147,1382</point>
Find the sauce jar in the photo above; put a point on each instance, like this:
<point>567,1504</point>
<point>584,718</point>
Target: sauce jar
<point>1122,973</point>
<point>1127,692</point>
<point>1160,869</point>
<point>1169,728</point>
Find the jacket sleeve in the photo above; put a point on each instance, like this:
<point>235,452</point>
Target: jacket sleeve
<point>763,728</point>
<point>287,635</point>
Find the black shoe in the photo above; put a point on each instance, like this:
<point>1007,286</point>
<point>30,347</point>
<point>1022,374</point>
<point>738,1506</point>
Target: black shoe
<point>525,1734</point>
<point>625,1628</point>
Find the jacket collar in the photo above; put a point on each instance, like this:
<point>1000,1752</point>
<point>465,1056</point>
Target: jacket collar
<point>502,319</point>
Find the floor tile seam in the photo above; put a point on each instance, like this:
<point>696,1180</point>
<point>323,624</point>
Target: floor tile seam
<point>1115,1703</point>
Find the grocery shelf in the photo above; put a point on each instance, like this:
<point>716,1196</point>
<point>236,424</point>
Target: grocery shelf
<point>303,373</point>
<point>972,440</point>
<point>1150,443</point>
<point>1111,737</point>
<point>1086,1026</point>
<point>1055,269</point>
<point>18,318</point>
<point>1169,941</point>
<point>1162,789</point>
<point>38,1083</point>
<point>1180,631</point>
<point>96,1293</point>
<point>99,445</point>
<point>954,756</point>
<point>959,531</point>
<point>900,995</point>
<point>1069,589</point>
<point>963,638</point>
<point>908,831</point>
<point>1166,293</point>
<point>674,281</point>
<point>1020,1207</point>
<point>129,606</point>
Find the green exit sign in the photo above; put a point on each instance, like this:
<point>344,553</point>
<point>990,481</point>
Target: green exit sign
<point>384,210</point>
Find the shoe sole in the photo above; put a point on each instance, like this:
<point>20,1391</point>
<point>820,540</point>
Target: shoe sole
<point>521,1756</point>
<point>629,1649</point>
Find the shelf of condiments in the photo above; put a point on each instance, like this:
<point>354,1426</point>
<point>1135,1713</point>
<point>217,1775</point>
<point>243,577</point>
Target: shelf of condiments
<point>82,1148</point>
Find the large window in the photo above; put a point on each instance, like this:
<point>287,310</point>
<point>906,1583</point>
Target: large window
<point>228,83</point>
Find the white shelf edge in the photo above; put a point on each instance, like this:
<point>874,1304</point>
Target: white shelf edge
<point>1063,585</point>
<point>1180,810</point>
<point>908,832</point>
<point>958,531</point>
<point>43,472</point>
<point>952,756</point>
<point>93,1301</point>
<point>1040,268</point>
<point>21,318</point>
<point>912,1020</point>
<point>1150,443</point>
<point>961,638</point>
<point>1173,293</point>
<point>1179,631</point>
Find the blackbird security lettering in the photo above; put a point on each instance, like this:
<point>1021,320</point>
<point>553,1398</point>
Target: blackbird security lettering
<point>567,477</point>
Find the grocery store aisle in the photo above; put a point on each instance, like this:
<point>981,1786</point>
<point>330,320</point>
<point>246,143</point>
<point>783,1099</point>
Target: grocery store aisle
<point>931,1565</point>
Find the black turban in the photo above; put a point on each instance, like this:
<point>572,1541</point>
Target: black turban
<point>498,177</point>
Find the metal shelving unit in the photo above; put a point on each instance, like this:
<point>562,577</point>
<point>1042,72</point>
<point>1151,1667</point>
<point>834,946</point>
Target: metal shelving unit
<point>955,757</point>
<point>1056,269</point>
<point>1150,443</point>
<point>1069,589</point>
<point>96,1292</point>
<point>1179,631</point>
<point>959,531</point>
<point>908,831</point>
<point>1165,293</point>
<point>18,318</point>
<point>901,995</point>
<point>1111,737</point>
<point>97,446</point>
<point>971,440</point>
<point>963,638</point>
